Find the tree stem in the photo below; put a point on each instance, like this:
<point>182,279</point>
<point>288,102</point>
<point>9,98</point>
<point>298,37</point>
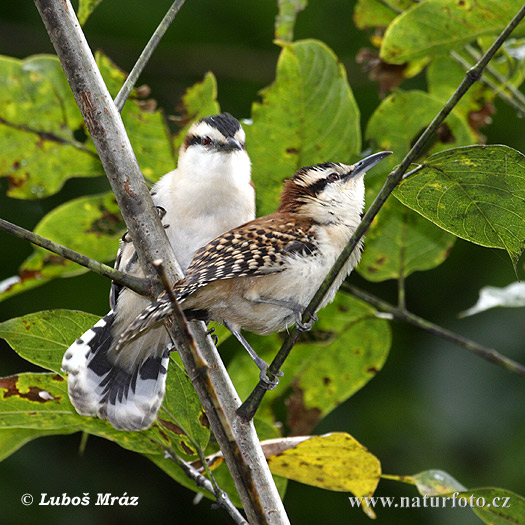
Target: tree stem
<point>238,440</point>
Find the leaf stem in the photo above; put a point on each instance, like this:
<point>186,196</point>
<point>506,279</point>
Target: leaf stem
<point>144,57</point>
<point>221,497</point>
<point>138,285</point>
<point>250,406</point>
<point>401,314</point>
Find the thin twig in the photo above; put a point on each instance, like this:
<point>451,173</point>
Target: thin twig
<point>144,57</point>
<point>505,83</point>
<point>401,314</point>
<point>250,406</point>
<point>509,99</point>
<point>221,497</point>
<point>137,284</point>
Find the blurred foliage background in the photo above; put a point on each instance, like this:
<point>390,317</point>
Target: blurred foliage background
<point>432,406</point>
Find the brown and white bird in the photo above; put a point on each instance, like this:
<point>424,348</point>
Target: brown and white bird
<point>260,276</point>
<point>209,193</point>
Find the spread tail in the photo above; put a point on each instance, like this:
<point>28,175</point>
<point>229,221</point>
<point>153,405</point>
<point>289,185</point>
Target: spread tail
<point>129,397</point>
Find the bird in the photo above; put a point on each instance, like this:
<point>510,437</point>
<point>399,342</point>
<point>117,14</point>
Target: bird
<point>260,276</point>
<point>209,192</point>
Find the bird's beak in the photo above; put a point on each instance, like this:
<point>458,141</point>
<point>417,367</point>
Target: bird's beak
<point>361,167</point>
<point>231,144</point>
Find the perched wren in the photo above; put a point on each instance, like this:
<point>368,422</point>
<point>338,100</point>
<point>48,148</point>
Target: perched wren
<point>260,276</point>
<point>209,193</point>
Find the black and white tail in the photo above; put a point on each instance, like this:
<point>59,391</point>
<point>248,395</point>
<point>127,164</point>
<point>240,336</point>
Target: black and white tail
<point>127,390</point>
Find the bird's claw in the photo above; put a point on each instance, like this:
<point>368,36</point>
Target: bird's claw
<point>267,383</point>
<point>305,327</point>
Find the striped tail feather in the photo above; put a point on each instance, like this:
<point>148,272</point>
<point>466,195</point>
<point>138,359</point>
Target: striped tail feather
<point>129,397</point>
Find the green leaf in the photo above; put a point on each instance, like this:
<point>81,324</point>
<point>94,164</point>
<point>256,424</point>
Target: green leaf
<point>334,461</point>
<point>399,120</point>
<point>183,408</point>
<point>436,26</point>
<point>43,337</point>
<point>476,193</point>
<point>85,8</point>
<point>308,115</point>
<point>91,225</point>
<point>502,506</point>
<point>493,506</point>
<point>199,101</point>
<point>145,124</point>
<point>348,346</point>
<point>285,19</point>
<point>12,439</point>
<point>38,123</point>
<point>434,482</point>
<point>444,76</point>
<point>400,243</point>
<point>376,13</point>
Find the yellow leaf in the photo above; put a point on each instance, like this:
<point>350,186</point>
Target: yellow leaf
<point>334,461</point>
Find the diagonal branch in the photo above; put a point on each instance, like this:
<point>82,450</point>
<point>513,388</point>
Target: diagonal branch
<point>238,440</point>
<point>401,314</point>
<point>144,57</point>
<point>137,284</point>
<point>249,407</point>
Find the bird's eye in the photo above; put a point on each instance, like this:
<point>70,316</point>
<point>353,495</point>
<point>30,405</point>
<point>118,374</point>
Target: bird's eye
<point>334,177</point>
<point>206,141</point>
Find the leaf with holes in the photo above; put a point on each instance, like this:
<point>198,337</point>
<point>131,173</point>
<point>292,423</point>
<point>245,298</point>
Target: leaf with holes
<point>308,115</point>
<point>40,401</point>
<point>477,193</point>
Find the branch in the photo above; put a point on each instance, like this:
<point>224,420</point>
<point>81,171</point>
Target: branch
<point>144,57</point>
<point>249,407</point>
<point>238,441</point>
<point>222,497</point>
<point>137,284</point>
<point>401,314</point>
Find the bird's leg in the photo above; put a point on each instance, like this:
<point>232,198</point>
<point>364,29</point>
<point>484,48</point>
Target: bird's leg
<point>213,335</point>
<point>261,364</point>
<point>296,308</point>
